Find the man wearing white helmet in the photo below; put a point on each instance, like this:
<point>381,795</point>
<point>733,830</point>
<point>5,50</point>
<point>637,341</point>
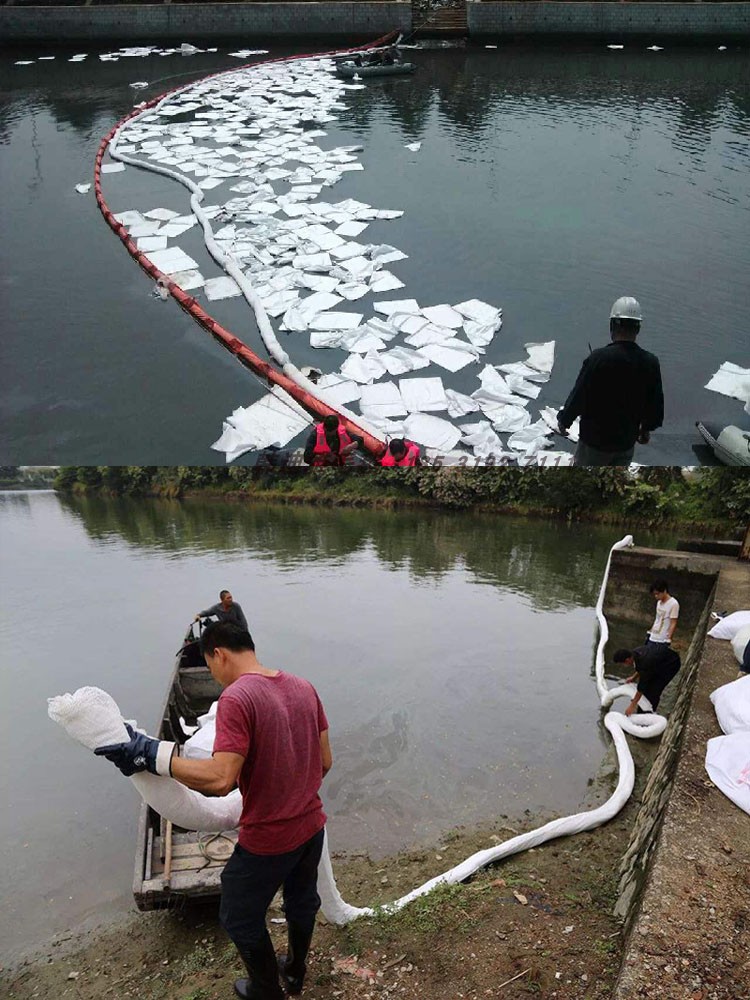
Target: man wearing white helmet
<point>618,393</point>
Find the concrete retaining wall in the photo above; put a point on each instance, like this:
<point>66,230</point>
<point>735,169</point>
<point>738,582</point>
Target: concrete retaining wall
<point>199,23</point>
<point>614,21</point>
<point>144,22</point>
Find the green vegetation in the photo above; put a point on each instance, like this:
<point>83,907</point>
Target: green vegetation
<point>660,495</point>
<point>27,477</point>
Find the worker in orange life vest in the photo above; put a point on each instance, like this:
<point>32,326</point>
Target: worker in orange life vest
<point>329,443</point>
<point>401,452</point>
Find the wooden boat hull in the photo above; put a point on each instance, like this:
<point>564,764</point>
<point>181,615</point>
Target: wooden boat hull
<point>197,860</point>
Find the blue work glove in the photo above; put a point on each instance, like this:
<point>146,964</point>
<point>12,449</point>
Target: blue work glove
<point>140,753</point>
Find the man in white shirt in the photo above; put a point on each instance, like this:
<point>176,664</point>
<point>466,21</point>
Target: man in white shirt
<point>667,613</point>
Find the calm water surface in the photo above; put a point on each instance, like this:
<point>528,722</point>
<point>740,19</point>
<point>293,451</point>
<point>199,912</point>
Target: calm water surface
<point>453,655</point>
<point>549,182</point>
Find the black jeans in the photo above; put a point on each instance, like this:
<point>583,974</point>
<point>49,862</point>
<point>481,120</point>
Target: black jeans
<point>250,881</point>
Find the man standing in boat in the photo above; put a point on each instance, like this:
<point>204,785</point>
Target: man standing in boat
<point>272,740</point>
<point>227,610</point>
<point>618,393</point>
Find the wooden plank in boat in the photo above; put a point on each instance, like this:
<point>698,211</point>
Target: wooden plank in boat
<point>204,882</point>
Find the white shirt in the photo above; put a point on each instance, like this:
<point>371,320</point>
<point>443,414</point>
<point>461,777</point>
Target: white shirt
<point>665,612</point>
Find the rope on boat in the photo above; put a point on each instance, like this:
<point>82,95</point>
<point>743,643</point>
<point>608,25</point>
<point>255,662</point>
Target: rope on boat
<point>291,379</point>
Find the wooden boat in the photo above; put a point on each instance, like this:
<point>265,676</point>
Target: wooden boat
<point>172,863</point>
<point>349,69</point>
<point>731,445</point>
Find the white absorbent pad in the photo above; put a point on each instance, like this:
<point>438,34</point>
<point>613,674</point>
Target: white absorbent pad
<point>728,766</point>
<point>732,704</point>
<point>727,628</point>
<point>201,743</point>
<point>731,380</point>
<point>273,420</point>
<point>91,717</point>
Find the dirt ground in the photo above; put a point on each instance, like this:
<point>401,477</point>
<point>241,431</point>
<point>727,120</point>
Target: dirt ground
<point>539,925</point>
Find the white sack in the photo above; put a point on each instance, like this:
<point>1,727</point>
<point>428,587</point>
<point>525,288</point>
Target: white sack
<point>728,766</point>
<point>740,641</point>
<point>727,628</point>
<point>732,704</point>
<point>92,717</point>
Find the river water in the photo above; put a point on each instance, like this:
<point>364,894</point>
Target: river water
<point>549,182</point>
<point>453,654</point>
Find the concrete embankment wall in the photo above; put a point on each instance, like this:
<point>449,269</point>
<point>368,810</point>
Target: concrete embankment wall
<point>356,21</point>
<point>612,21</point>
<point>196,23</point>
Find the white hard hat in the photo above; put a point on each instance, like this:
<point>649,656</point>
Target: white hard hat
<point>626,307</point>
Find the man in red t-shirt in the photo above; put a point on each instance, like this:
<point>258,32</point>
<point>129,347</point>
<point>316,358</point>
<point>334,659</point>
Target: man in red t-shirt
<point>272,741</point>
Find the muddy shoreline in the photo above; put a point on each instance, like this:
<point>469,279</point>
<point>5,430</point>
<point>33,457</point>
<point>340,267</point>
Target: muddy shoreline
<point>546,914</point>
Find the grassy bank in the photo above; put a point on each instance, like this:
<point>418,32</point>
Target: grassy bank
<point>712,499</point>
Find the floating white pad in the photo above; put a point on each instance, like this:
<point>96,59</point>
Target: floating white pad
<point>273,420</point>
<point>459,404</point>
<point>148,243</point>
<point>444,315</point>
<point>384,281</point>
<point>530,439</point>
<point>162,214</point>
<point>731,380</point>
<point>337,391</point>
<point>335,320</point>
<point>432,432</point>
<point>188,280</point>
<point>172,260</point>
<point>422,395</point>
<point>453,354</point>
<point>397,306</point>
<point>507,418</point>
<point>400,360</point>
<point>478,311</point>
<point>112,168</point>
<point>140,229</point>
<point>382,400</point>
<point>541,356</point>
<point>363,369</point>
<point>221,288</point>
<point>83,188</point>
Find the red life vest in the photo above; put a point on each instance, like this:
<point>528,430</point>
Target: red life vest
<point>322,449</point>
<point>410,458</point>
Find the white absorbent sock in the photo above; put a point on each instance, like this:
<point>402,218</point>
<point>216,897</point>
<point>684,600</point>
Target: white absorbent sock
<point>91,717</point>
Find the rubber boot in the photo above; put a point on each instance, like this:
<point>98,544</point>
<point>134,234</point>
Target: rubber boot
<point>263,982</point>
<point>292,965</point>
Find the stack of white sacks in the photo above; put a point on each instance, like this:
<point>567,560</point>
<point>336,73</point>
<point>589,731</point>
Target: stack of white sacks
<point>728,756</point>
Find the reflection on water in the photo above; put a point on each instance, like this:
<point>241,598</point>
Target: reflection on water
<point>452,654</point>
<point>549,181</point>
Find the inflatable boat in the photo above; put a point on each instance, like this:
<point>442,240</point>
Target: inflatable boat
<point>172,863</point>
<point>731,445</point>
<point>350,69</point>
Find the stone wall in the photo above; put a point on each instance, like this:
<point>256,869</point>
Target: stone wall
<point>613,21</point>
<point>241,23</point>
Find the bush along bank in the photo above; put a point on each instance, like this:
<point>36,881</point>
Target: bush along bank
<point>717,498</point>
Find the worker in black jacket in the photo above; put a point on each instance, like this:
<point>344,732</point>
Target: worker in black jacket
<point>618,393</point>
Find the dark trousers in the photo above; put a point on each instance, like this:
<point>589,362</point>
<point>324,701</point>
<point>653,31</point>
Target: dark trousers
<point>586,455</point>
<point>250,881</point>
<point>659,673</point>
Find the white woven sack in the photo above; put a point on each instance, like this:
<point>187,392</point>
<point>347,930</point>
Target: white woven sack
<point>728,766</point>
<point>732,704</point>
<point>727,628</point>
